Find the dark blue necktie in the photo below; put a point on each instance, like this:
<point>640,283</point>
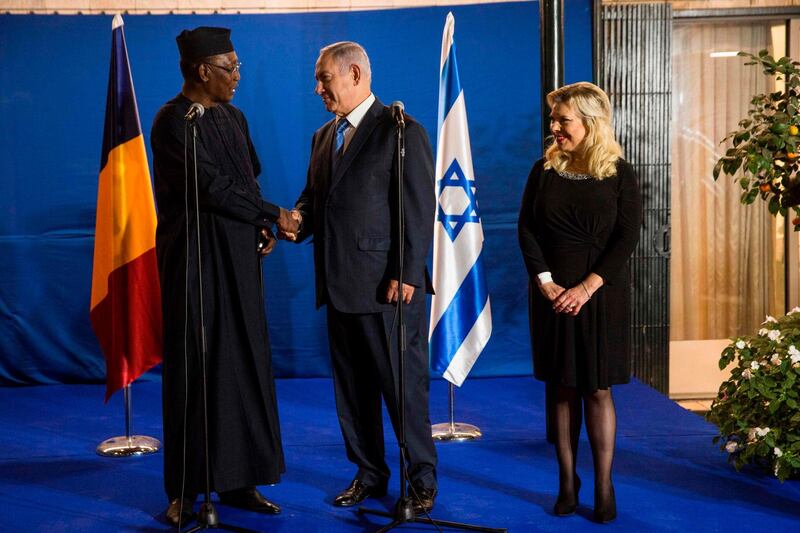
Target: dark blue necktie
<point>341,127</point>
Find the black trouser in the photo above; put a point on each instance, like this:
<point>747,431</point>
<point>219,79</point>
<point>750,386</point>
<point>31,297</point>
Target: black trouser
<point>364,368</point>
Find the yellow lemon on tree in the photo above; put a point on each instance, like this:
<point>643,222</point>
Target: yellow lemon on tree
<point>794,130</point>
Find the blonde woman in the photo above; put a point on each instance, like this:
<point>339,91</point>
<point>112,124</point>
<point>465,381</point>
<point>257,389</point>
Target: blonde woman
<point>578,226</point>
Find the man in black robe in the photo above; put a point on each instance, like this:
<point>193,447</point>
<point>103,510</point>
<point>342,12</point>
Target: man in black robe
<point>244,440</point>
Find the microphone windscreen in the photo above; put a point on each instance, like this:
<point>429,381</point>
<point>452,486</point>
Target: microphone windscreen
<point>199,109</point>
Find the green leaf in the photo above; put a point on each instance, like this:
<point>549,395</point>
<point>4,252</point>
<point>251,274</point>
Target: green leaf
<point>739,138</point>
<point>717,168</point>
<point>779,127</point>
<point>774,205</point>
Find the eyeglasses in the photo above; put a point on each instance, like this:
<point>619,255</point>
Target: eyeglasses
<point>229,70</point>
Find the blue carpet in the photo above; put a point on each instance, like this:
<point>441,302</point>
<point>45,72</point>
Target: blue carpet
<point>668,475</point>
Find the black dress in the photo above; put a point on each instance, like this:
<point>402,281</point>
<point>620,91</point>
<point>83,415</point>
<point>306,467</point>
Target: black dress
<point>244,433</point>
<point>572,226</point>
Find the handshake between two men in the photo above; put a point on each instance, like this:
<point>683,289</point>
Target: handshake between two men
<point>288,225</point>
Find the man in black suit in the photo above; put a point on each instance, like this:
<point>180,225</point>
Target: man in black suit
<point>349,205</point>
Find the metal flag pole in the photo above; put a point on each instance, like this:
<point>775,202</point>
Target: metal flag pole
<point>129,444</point>
<point>452,430</point>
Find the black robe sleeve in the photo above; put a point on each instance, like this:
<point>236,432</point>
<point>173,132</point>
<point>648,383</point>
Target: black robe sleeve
<point>250,148</point>
<point>218,192</point>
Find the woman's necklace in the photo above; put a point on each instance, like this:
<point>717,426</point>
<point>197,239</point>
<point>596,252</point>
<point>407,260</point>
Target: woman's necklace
<point>574,176</point>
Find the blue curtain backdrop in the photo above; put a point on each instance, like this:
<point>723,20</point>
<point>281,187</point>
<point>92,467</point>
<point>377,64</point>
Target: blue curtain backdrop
<point>53,76</point>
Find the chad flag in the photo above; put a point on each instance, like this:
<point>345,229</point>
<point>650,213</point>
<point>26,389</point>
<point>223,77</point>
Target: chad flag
<point>126,300</point>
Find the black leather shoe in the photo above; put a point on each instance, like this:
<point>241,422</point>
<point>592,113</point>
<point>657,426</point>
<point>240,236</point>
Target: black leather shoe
<point>178,514</point>
<point>249,500</point>
<point>422,499</point>
<point>568,504</point>
<point>605,508</point>
<point>357,492</point>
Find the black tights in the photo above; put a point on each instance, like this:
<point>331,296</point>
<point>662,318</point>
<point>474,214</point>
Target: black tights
<point>601,426</point>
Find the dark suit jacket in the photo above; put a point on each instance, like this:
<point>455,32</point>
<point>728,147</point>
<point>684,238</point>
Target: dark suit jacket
<point>351,212</point>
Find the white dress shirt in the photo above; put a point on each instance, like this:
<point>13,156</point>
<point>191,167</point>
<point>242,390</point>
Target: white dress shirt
<point>355,117</point>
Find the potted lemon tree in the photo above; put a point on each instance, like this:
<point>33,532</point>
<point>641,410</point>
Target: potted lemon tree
<point>765,148</point>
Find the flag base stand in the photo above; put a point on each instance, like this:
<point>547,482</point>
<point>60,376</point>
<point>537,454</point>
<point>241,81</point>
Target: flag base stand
<point>127,446</point>
<point>455,431</point>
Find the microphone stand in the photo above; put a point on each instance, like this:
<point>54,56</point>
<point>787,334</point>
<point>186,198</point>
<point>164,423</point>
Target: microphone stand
<point>207,517</point>
<point>404,509</point>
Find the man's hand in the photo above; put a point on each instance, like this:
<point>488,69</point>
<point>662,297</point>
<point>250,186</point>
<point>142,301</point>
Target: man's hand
<point>392,293</point>
<point>288,227</point>
<point>266,242</point>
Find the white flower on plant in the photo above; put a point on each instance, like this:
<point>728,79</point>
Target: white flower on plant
<point>763,332</point>
<point>731,446</point>
<point>775,359</point>
<point>774,334</point>
<point>777,467</point>
<point>794,354</point>
<point>777,451</point>
<point>740,344</point>
<point>754,365</point>
<point>770,319</point>
<point>793,311</point>
<point>746,374</point>
<point>762,432</point>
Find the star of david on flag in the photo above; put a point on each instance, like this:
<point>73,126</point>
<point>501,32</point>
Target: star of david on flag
<point>461,317</point>
<point>453,217</point>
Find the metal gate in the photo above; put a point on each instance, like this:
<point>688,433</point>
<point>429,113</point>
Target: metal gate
<point>636,72</point>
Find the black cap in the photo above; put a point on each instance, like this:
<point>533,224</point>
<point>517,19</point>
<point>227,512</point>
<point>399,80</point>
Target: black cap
<point>203,42</point>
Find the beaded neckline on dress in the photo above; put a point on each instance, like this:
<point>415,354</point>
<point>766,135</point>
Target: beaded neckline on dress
<point>572,175</point>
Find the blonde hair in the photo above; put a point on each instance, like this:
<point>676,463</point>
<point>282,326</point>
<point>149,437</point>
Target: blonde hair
<point>602,150</point>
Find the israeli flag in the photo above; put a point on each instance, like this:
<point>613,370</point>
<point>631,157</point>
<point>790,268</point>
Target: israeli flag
<point>461,317</point>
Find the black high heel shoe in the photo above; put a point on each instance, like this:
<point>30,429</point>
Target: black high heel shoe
<point>567,506</point>
<point>605,511</point>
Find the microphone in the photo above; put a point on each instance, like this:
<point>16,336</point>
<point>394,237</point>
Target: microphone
<point>397,113</point>
<point>195,111</point>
